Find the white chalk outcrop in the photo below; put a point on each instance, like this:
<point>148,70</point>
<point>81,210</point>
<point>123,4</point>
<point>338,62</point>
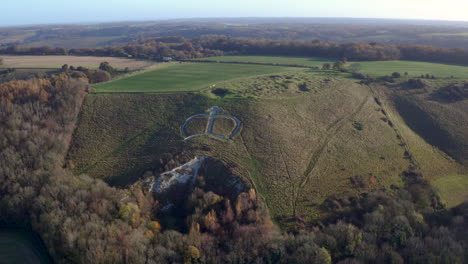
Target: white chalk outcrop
<point>184,174</point>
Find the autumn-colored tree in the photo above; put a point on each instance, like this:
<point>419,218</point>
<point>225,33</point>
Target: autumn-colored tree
<point>338,65</point>
<point>130,212</point>
<point>99,76</point>
<point>105,66</point>
<point>191,254</point>
<point>210,221</point>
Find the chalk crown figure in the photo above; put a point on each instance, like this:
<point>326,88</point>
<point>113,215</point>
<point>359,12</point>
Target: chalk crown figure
<point>213,113</point>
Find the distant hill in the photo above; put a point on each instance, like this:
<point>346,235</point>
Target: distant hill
<point>342,30</point>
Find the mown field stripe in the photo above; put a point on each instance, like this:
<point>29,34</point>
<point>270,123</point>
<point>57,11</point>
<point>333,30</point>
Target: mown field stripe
<point>187,77</point>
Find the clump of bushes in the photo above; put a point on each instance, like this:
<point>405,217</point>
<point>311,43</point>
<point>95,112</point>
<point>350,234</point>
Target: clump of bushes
<point>387,78</point>
<point>416,83</point>
<point>453,92</point>
<point>358,126</point>
<point>303,87</point>
<point>103,74</point>
<point>396,75</point>
<point>359,76</point>
<point>220,91</point>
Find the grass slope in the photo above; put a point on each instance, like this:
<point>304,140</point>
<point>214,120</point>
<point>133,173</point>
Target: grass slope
<point>120,136</point>
<point>452,189</point>
<point>186,77</point>
<point>435,132</point>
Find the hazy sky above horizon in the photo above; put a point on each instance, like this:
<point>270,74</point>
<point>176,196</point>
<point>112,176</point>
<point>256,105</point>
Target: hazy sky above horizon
<point>22,12</point>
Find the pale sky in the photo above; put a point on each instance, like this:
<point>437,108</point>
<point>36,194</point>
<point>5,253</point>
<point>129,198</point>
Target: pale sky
<point>21,12</point>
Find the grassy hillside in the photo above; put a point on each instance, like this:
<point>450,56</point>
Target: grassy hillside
<point>375,68</point>
<point>120,136</point>
<point>297,149</point>
<point>435,132</point>
<point>55,62</point>
<point>307,136</point>
<point>186,77</point>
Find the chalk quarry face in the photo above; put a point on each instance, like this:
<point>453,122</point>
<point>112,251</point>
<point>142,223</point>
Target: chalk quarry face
<point>175,185</point>
<point>185,174</point>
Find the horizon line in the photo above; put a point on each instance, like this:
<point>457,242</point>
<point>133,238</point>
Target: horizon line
<point>83,23</point>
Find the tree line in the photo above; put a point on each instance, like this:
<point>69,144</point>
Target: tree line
<point>215,45</point>
<point>152,49</point>
<point>349,51</point>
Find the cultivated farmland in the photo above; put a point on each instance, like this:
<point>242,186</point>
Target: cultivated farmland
<point>56,62</point>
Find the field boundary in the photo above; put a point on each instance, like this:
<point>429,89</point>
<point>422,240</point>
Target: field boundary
<point>254,63</point>
<point>145,92</point>
<point>29,68</point>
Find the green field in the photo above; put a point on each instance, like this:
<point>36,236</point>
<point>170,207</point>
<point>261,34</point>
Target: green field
<point>413,68</point>
<point>186,77</point>
<point>375,68</point>
<point>306,61</point>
